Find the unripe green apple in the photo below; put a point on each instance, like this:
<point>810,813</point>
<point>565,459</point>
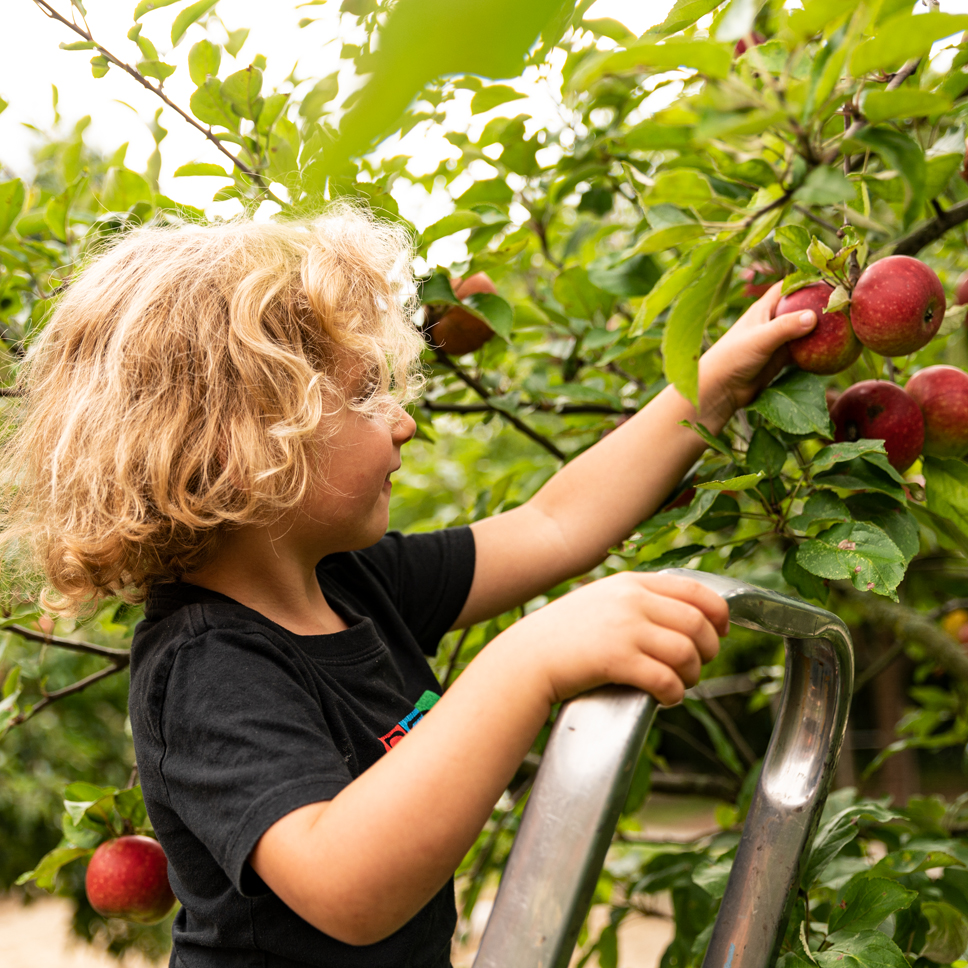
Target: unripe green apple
<point>897,305</point>
<point>128,878</point>
<point>831,345</point>
<point>942,394</point>
<point>880,410</point>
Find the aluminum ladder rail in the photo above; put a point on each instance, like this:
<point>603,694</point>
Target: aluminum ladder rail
<point>587,768</point>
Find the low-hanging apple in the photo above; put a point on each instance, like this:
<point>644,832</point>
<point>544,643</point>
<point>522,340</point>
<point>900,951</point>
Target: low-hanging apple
<point>831,345</point>
<point>897,305</point>
<point>458,331</point>
<point>942,394</point>
<point>880,410</point>
<point>128,878</point>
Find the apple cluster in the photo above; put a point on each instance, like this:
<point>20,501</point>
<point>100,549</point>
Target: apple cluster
<point>896,308</point>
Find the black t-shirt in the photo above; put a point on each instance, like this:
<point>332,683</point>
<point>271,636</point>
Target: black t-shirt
<point>237,722</point>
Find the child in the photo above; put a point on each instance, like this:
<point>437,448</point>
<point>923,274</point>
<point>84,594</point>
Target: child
<point>213,416</point>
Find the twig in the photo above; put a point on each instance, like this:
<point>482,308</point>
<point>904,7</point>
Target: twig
<point>912,243</point>
<point>482,392</point>
<point>726,721</point>
<point>121,656</point>
<point>543,406</point>
<point>879,665</point>
<point>892,85</point>
<point>803,210</point>
<point>70,690</point>
<point>53,14</point>
<point>776,203</point>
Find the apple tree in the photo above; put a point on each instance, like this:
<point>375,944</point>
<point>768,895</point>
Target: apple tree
<point>730,146</point>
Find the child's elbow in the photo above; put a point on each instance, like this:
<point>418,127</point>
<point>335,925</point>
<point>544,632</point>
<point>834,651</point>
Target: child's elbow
<point>358,930</point>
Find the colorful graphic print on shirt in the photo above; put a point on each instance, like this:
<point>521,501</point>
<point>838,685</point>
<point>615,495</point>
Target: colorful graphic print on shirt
<point>423,704</point>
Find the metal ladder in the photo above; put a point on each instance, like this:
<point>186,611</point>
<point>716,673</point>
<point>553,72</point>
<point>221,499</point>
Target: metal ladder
<point>587,768</point>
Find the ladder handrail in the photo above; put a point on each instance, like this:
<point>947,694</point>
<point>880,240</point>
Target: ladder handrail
<point>585,774</point>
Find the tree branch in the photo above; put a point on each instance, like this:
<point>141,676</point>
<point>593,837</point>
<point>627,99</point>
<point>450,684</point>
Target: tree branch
<point>911,626</point>
<point>915,241</point>
<point>118,656</point>
<point>482,392</point>
<point>543,406</point>
<point>70,690</point>
<point>53,14</point>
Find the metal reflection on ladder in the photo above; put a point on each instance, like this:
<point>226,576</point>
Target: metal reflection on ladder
<point>585,774</point>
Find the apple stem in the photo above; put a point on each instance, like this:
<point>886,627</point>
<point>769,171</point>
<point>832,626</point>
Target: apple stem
<point>889,368</point>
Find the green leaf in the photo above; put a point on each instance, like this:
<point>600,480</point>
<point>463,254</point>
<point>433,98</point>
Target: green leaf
<point>322,93</point>
<point>449,224</point>
<point>187,17</point>
<point>902,38</point>
<point>200,168</point>
<point>146,6</point>
<point>794,241</point>
<point>682,186</point>
<point>724,513</point>
<point>666,238</point>
<point>123,189</point>
<point>578,296</point>
<point>669,286</point>
<point>12,197</point>
<point>491,191</point>
<point>708,58</point>
<point>825,186</point>
<point>903,154</point>
<point>632,276</point>
<point>79,45</point>
<point>796,403</point>
<point>946,490</point>
<point>766,454</point>
<point>820,15</point>
<point>45,873</point>
<point>818,254</point>
<point>712,875</point>
<point>241,89</point>
<point>494,309</point>
<point>861,475</point>
<point>11,682</point>
<point>438,290</point>
<point>898,522</point>
<point>742,483</point>
<point>209,107</point>
<point>837,832</point>
<point>683,333</point>
<point>684,13</point>
<point>676,558</point>
<point>737,20</point>
<point>809,586</point>
<point>866,901</point>
<point>846,451</point>
<point>821,507</point>
<point>156,69</point>
<point>607,27</point>
<point>947,932</point>
<point>100,65</point>
<point>650,135</point>
<point>905,102</point>
<point>724,748</point>
<point>493,95</point>
<point>203,61</point>
<point>237,39</point>
<point>859,551</point>
<point>867,949</point>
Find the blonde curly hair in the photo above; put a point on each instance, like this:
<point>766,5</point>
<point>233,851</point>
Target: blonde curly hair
<point>174,392</point>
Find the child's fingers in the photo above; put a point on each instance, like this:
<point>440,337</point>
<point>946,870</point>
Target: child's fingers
<point>694,593</point>
<point>656,678</point>
<point>675,649</point>
<point>685,619</point>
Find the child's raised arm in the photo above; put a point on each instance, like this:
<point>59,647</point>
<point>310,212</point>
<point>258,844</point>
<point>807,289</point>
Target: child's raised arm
<point>595,501</point>
<point>361,865</point>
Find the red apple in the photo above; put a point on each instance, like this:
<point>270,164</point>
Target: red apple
<point>942,394</point>
<point>757,279</point>
<point>880,410</point>
<point>897,305</point>
<point>742,46</point>
<point>831,345</point>
<point>458,332</point>
<point>961,291</point>
<point>128,878</point>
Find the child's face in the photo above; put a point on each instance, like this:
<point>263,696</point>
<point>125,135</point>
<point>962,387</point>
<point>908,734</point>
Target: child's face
<point>349,508</point>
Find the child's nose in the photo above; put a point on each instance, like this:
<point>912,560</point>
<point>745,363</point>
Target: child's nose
<point>404,428</point>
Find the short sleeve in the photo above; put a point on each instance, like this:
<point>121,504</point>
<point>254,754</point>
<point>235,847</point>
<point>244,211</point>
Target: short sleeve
<point>428,577</point>
<point>245,743</point>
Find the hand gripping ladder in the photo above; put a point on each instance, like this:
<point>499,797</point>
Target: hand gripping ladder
<point>587,768</point>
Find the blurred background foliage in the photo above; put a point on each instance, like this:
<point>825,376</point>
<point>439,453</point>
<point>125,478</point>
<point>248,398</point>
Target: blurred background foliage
<point>689,168</point>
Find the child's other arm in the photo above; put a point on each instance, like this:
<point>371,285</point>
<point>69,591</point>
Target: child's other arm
<point>361,865</point>
<point>595,501</point>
